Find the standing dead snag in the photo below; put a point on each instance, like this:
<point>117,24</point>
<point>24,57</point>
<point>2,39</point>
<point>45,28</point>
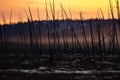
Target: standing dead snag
<point>83,33</point>
<point>72,29</point>
<point>48,34</point>
<point>114,32</point>
<point>1,40</point>
<point>39,32</point>
<point>118,12</point>
<point>92,39</point>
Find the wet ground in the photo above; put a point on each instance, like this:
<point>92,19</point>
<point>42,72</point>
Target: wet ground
<point>63,67</point>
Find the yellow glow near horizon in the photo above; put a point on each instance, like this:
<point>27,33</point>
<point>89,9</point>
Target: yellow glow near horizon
<point>88,7</point>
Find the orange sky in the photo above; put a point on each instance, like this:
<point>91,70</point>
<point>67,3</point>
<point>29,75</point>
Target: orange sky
<point>88,7</point>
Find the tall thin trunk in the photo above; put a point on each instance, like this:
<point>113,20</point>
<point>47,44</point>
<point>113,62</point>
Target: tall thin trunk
<point>114,33</point>
<point>83,32</point>
<point>91,34</point>
<point>39,40</point>
<point>71,28</point>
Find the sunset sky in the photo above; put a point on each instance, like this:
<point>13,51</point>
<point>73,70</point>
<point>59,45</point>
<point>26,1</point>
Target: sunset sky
<point>88,7</point>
